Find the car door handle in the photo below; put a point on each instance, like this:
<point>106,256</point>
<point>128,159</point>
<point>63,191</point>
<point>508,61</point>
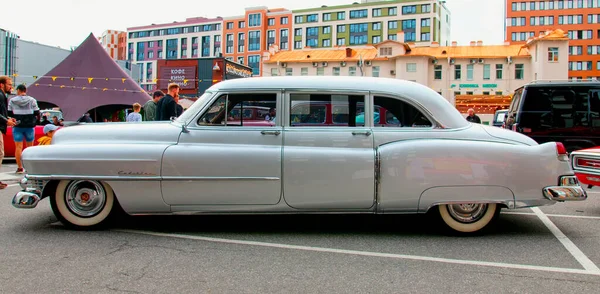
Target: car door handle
<point>274,133</point>
<point>364,133</point>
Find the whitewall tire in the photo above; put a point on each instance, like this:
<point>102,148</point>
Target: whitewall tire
<point>83,203</point>
<point>468,218</point>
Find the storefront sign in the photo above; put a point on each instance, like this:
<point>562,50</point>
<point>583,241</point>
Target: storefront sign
<point>231,69</point>
<point>469,85</point>
<point>184,76</point>
<point>490,85</point>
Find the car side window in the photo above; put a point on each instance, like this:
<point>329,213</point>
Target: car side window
<point>595,108</point>
<point>309,110</point>
<point>242,110</point>
<point>392,112</point>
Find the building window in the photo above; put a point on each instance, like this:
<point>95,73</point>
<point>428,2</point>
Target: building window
<point>392,24</point>
<point>352,71</point>
<point>326,16</point>
<point>393,37</point>
<point>425,8</point>
<point>376,12</point>
<point>312,18</point>
<point>392,11</point>
<point>274,72</point>
<point>284,20</point>
<point>271,22</point>
<point>254,63</point>
<point>498,71</point>
<point>376,71</point>
<point>341,41</point>
<point>298,45</point>
<point>254,41</point>
<point>437,73</point>
<point>411,67</point>
<point>341,28</point>
<point>289,71</point>
<point>242,25</point>
<point>320,71</point>
<point>150,54</point>
<point>159,54</point>
<point>425,22</point>
<point>376,39</point>
<point>553,54</point>
<point>425,37</point>
<point>327,30</point>
<point>240,60</point>
<point>336,71</point>
<point>519,71</point>
<point>304,71</point>
<point>298,32</point>
<point>283,45</point>
<point>469,72</point>
<point>412,9</point>
<point>341,15</point>
<point>377,26</point>
<point>486,71</point>
<point>457,71</point>
<point>359,13</point>
<point>230,25</point>
<point>326,42</point>
<point>385,51</point>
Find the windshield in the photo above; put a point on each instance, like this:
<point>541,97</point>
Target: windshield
<point>500,116</point>
<point>193,110</point>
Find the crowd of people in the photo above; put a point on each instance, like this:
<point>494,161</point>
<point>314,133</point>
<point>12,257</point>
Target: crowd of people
<point>161,108</point>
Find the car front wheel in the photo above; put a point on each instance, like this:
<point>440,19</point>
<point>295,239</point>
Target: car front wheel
<point>468,218</point>
<point>83,203</point>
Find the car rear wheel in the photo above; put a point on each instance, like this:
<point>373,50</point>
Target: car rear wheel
<point>468,217</point>
<point>83,204</point>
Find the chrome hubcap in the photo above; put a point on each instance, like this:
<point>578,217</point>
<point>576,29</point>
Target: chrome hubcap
<point>85,198</point>
<point>467,213</point>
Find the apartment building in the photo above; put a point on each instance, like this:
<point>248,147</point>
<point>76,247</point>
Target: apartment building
<point>372,22</point>
<point>114,43</point>
<point>452,71</point>
<point>192,38</point>
<point>579,18</point>
<point>247,37</point>
<point>8,52</point>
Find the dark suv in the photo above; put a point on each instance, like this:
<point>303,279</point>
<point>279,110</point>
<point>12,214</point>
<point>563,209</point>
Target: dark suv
<point>566,112</point>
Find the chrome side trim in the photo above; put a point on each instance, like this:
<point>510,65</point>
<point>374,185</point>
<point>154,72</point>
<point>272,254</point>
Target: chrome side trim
<point>97,178</point>
<point>508,203</point>
<point>147,178</point>
<point>377,179</point>
<point>221,178</point>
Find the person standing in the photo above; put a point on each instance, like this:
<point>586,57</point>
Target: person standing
<point>25,110</point>
<point>472,116</point>
<point>150,106</point>
<point>167,107</point>
<point>5,121</point>
<point>135,116</point>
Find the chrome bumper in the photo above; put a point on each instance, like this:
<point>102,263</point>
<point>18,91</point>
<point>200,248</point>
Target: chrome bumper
<point>29,197</point>
<point>568,190</point>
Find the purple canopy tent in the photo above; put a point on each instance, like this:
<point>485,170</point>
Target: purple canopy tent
<point>87,79</point>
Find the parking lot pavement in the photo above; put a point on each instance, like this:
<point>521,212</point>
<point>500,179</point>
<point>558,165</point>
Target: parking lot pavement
<point>553,249</point>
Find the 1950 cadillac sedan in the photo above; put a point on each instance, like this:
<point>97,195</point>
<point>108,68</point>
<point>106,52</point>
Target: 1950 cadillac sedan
<point>427,159</point>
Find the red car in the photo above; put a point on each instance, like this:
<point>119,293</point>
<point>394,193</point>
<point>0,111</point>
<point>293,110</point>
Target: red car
<point>9,143</point>
<point>586,164</point>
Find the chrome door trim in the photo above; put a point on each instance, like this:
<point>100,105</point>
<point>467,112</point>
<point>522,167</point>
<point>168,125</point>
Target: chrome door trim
<point>173,178</point>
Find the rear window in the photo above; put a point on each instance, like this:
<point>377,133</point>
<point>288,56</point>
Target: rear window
<point>556,107</point>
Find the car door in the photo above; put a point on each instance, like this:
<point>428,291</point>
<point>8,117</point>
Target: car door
<point>328,158</point>
<point>226,157</point>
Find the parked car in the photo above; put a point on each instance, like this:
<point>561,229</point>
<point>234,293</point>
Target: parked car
<point>566,112</point>
<point>586,164</point>
<point>9,143</point>
<point>499,117</point>
<point>432,161</point>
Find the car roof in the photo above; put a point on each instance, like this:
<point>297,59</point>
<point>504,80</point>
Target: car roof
<point>444,112</point>
<point>562,83</point>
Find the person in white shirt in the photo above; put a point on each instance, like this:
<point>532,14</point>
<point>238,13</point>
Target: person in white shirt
<point>135,116</point>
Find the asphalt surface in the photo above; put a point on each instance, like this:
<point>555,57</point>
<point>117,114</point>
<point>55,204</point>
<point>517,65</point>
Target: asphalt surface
<point>299,254</point>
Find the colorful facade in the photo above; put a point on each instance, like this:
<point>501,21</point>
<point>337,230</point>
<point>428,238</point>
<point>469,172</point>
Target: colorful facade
<point>372,22</point>
<point>194,38</point>
<point>247,37</point>
<point>452,71</point>
<point>110,42</point>
<point>579,18</point>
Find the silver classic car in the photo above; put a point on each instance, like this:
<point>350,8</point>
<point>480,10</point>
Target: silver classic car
<point>328,145</point>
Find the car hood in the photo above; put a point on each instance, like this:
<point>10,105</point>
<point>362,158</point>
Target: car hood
<point>111,133</point>
<point>509,135</point>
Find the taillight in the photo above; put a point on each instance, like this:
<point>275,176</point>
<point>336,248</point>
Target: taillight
<point>589,163</point>
<point>561,151</point>
<point>514,127</point>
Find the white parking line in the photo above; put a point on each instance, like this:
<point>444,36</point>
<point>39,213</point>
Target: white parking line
<point>372,254</point>
<point>569,245</point>
<point>553,215</point>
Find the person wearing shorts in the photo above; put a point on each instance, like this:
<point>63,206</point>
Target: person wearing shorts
<point>25,110</point>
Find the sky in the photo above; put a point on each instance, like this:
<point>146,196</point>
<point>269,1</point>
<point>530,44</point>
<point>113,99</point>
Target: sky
<point>67,23</point>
